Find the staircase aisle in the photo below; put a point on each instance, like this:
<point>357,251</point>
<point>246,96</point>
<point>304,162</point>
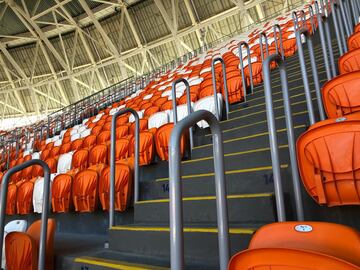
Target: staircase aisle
<point>250,188</point>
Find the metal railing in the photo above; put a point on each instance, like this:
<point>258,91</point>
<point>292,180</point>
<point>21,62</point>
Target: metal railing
<point>112,161</point>
<point>214,61</point>
<point>243,43</point>
<point>45,206</point>
<point>262,36</point>
<point>277,31</point>
<point>175,190</point>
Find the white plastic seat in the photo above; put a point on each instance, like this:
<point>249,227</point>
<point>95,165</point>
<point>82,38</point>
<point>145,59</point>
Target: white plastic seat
<point>85,133</point>
<point>75,137</point>
<point>39,191</point>
<point>73,131</point>
<point>62,133</point>
<point>158,119</point>
<point>132,118</point>
<point>147,97</point>
<point>17,225</point>
<point>35,155</point>
<point>64,162</point>
<point>48,140</point>
<point>207,103</point>
<point>113,111</point>
<point>182,112</point>
<point>85,121</point>
<point>58,142</point>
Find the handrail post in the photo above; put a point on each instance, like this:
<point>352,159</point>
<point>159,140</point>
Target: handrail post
<point>45,206</point>
<point>309,103</point>
<point>345,18</point>
<point>261,36</point>
<point>338,28</point>
<point>175,190</point>
<point>189,107</point>
<point>320,19</point>
<point>219,59</point>
<point>112,161</point>
<point>242,68</point>
<point>312,20</point>
<point>328,37</point>
<point>279,196</point>
<point>277,28</point>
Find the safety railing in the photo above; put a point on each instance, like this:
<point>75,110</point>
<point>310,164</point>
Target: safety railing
<point>279,196</point>
<point>308,39</point>
<point>338,26</point>
<point>189,106</point>
<point>175,190</point>
<point>214,61</point>
<point>45,206</point>
<point>296,20</point>
<point>262,36</point>
<point>278,41</point>
<point>112,161</point>
<point>345,16</point>
<point>243,77</point>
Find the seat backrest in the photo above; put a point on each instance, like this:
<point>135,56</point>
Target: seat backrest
<point>103,137</point>
<point>89,141</point>
<point>328,162</point>
<point>208,104</point>
<point>151,110</point>
<point>341,95</point>
<point>122,131</point>
<point>84,190</point>
<point>45,154</point>
<point>37,199</point>
<point>34,232</point>
<point>98,154</point>
<point>61,193</point>
<point>21,252</point>
<point>96,130</point>
<point>158,119</point>
<point>65,148</point>
<point>11,199</point>
<point>64,162</point>
<point>349,62</point>
<point>344,242</point>
<point>55,151</point>
<point>52,163</point>
<point>24,198</point>
<point>289,259</point>
<point>80,159</point>
<point>76,145</point>
<point>354,41</point>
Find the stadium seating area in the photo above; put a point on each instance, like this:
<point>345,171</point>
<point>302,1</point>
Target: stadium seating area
<point>79,156</point>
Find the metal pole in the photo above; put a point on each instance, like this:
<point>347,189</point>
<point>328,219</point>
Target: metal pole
<point>242,68</point>
<point>46,206</point>
<point>261,36</point>
<point>219,59</point>
<point>112,161</point>
<point>337,29</point>
<point>320,19</point>
<point>189,107</point>
<point>341,27</point>
<point>305,78</point>
<point>279,196</point>
<point>175,190</point>
<point>328,38</point>
<point>344,18</point>
<point>277,28</point>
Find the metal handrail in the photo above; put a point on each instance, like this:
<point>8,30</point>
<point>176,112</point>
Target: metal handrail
<point>45,206</point>
<point>242,68</point>
<point>345,17</point>
<point>307,91</point>
<point>277,28</point>
<point>308,38</point>
<point>189,107</point>
<point>296,20</point>
<point>112,161</point>
<point>312,20</point>
<point>175,190</point>
<point>338,26</point>
<point>219,59</point>
<point>320,18</point>
<point>261,36</point>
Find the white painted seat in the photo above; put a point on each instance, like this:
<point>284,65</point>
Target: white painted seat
<point>48,140</point>
<point>82,128</point>
<point>58,142</point>
<point>17,225</point>
<point>64,162</point>
<point>73,131</point>
<point>85,133</point>
<point>182,112</point>
<point>75,137</point>
<point>39,191</point>
<point>147,97</point>
<point>132,118</point>
<point>207,103</point>
<point>85,121</point>
<point>158,119</point>
<point>35,155</point>
<point>62,133</point>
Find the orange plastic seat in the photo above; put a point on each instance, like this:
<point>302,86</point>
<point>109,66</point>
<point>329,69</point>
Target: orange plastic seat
<point>122,131</point>
<point>22,248</point>
<point>52,163</point>
<point>55,152</point>
<point>143,125</point>
<point>122,120</point>
<point>103,137</point>
<point>27,173</point>
<point>98,154</point>
<point>349,61</point>
<point>123,187</point>
<point>24,197</point>
<point>84,191</point>
<point>37,171</point>
<point>65,148</point>
<point>76,145</point>
<point>357,28</point>
<point>11,199</point>
<point>80,159</point>
<point>45,154</point>
<point>234,85</point>
<point>341,96</point>
<point>162,138</point>
<point>328,161</point>
<point>146,148</point>
<point>89,141</point>
<point>61,193</point>
<point>96,130</point>
<point>66,139</point>
<point>50,145</point>
<point>343,244</point>
<point>121,149</point>
<point>354,41</point>
<point>183,98</point>
<point>107,126</point>
<point>151,110</point>
<point>286,259</point>
<point>167,105</point>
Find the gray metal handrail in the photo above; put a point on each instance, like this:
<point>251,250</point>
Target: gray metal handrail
<point>277,29</point>
<point>345,17</point>
<point>308,38</point>
<point>355,10</point>
<point>189,107</point>
<point>219,59</point>
<point>290,136</point>
<point>112,161</point>
<point>320,18</point>
<point>45,206</point>
<point>261,36</point>
<point>308,97</point>
<point>312,20</point>
<point>338,26</point>
<point>296,20</point>
<point>175,190</point>
<point>243,43</point>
